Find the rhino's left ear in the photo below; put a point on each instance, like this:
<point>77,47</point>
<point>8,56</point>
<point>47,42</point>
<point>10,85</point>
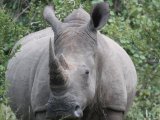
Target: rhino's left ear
<point>99,16</point>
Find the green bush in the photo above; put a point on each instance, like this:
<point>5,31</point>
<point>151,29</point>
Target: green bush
<point>9,33</point>
<point>138,33</point>
<point>6,113</point>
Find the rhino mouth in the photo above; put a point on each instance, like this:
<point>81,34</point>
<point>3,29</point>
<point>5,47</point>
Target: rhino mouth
<point>69,117</point>
<point>62,115</point>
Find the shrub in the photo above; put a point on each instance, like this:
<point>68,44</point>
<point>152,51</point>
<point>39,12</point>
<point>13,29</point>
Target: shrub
<point>137,30</point>
<point>9,33</point>
<point>6,113</point>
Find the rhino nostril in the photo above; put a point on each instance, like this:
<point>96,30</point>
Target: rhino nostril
<point>78,111</point>
<point>77,107</point>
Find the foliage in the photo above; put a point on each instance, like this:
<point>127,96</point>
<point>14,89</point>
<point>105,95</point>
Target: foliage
<point>6,113</point>
<point>9,33</point>
<point>138,33</point>
<point>135,28</point>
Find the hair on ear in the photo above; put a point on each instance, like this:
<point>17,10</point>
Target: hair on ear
<point>49,16</point>
<point>99,15</point>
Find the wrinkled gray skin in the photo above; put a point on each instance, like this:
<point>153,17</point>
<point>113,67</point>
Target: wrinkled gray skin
<point>71,70</point>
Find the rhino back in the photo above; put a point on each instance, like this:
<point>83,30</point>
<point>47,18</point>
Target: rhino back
<point>24,67</point>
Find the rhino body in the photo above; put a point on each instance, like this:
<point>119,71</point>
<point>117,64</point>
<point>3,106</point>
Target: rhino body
<point>109,79</point>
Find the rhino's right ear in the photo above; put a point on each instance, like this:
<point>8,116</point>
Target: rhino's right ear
<point>50,17</point>
<point>99,16</point>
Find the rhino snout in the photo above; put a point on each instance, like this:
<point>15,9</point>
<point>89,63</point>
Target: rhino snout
<point>71,111</point>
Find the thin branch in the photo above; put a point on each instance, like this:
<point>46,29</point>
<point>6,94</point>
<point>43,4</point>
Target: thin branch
<point>16,18</point>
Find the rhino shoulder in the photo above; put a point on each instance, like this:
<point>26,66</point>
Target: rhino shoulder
<point>118,76</point>
<point>33,36</point>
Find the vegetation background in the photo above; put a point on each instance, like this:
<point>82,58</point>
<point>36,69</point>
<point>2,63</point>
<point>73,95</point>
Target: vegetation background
<point>134,24</point>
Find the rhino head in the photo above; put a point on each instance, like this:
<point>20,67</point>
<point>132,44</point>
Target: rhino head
<point>72,62</point>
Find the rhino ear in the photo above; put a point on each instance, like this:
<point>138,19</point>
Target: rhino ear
<point>99,16</point>
<point>50,17</point>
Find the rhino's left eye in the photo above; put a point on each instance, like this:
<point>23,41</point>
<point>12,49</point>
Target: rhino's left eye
<point>87,72</point>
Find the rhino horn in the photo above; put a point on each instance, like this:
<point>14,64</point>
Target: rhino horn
<point>56,71</point>
<point>63,62</point>
<point>50,17</point>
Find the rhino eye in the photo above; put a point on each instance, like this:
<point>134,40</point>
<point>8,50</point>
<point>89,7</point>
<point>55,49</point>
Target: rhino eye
<point>87,72</point>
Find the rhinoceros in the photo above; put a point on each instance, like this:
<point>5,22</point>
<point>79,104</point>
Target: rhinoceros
<point>71,71</point>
